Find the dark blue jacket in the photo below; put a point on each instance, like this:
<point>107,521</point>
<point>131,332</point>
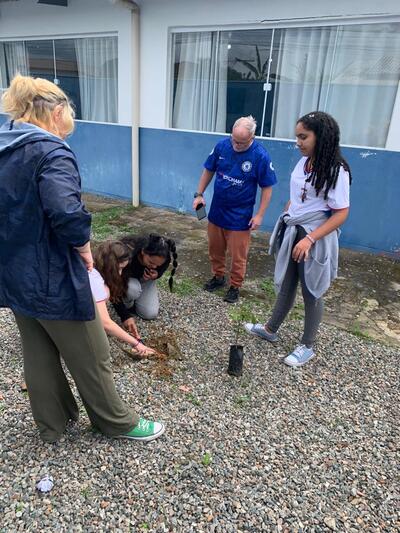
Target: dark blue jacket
<point>42,219</point>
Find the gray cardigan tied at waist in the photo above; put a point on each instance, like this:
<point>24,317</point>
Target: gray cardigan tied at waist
<point>321,267</point>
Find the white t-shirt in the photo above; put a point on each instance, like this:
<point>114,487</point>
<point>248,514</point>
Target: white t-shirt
<point>98,287</point>
<point>338,198</point>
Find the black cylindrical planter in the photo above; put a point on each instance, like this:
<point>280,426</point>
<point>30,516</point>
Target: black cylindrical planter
<point>235,366</point>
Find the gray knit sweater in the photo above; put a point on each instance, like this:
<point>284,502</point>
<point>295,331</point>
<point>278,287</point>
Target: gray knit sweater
<point>321,267</point>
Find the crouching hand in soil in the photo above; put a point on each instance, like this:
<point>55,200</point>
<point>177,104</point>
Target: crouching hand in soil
<point>107,283</point>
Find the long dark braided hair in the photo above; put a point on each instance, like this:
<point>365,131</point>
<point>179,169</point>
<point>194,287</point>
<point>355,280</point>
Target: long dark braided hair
<point>155,245</point>
<point>327,158</point>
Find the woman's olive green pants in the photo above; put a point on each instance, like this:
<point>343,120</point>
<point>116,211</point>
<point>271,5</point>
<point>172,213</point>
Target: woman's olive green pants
<point>85,350</point>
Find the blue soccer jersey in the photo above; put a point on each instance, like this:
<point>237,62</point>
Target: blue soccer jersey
<point>237,176</point>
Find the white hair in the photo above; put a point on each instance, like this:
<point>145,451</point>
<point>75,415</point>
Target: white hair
<point>247,122</point>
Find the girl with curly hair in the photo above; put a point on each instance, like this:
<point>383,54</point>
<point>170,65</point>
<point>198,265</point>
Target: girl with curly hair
<point>305,238</point>
<point>107,283</point>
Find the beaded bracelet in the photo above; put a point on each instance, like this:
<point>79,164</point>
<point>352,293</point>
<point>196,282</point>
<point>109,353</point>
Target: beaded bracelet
<point>310,239</point>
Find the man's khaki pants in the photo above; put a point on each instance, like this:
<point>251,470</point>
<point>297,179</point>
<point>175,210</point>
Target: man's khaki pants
<point>237,244</point>
<point>86,353</point>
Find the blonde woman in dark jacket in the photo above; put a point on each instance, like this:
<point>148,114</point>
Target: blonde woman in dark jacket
<point>45,257</point>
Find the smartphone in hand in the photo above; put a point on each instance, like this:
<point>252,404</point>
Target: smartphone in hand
<point>201,211</point>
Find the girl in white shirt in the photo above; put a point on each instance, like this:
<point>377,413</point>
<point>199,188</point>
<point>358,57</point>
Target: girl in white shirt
<point>107,283</point>
<point>305,238</point>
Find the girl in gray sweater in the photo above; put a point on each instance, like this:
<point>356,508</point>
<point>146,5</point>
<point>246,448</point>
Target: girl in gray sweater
<point>305,237</point>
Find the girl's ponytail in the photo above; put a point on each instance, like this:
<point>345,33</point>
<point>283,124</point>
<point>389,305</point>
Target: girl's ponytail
<point>172,248</point>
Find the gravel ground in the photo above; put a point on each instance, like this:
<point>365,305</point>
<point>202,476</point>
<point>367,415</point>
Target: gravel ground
<point>279,449</point>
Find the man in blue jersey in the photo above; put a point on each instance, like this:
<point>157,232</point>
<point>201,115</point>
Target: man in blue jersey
<point>241,165</point>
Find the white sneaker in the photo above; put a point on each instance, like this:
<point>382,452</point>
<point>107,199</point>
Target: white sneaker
<point>300,356</point>
<point>260,331</point>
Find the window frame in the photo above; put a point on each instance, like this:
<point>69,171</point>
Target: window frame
<point>393,136</point>
<point>60,37</point>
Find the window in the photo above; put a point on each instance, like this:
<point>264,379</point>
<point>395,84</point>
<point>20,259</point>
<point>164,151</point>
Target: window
<point>86,69</point>
<point>277,75</point>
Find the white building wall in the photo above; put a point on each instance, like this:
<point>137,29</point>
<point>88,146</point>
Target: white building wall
<point>158,17</point>
<point>26,19</point>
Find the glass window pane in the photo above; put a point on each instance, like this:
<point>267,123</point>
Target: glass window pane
<point>248,57</point>
<point>40,59</point>
<point>364,82</point>
<point>67,71</point>
<point>15,60</point>
<point>303,62</point>
<point>218,77</point>
<point>3,68</point>
<point>351,72</point>
<point>97,61</point>
<point>86,69</point>
<point>200,81</point>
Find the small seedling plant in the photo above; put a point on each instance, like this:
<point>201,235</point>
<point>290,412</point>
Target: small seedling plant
<point>239,315</point>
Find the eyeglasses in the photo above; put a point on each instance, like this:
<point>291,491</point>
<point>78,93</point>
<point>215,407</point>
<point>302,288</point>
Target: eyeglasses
<point>241,143</point>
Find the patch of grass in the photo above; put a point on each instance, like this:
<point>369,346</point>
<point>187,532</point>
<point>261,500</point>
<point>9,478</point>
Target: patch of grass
<point>2,407</point>
<point>105,223</point>
<point>297,312</point>
<point>184,287</point>
<point>221,291</point>
<point>123,229</point>
<point>268,286</point>
<point>262,309</point>
<point>245,382</point>
<point>144,526</point>
<point>86,492</point>
<point>207,358</point>
<point>162,282</point>
<point>192,399</point>
<point>206,459</point>
<point>239,314</point>
<point>358,332</point>
<point>242,400</point>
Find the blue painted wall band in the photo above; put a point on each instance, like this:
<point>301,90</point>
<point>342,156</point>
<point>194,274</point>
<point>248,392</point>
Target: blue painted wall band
<point>171,162</point>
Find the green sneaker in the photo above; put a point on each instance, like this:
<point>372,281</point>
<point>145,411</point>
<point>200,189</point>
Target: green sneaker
<point>146,430</point>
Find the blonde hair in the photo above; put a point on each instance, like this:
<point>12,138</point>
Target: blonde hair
<point>33,100</point>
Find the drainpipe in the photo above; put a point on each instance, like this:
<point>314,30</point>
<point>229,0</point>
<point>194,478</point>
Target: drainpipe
<point>135,43</point>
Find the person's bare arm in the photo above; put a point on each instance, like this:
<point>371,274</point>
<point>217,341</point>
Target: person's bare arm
<point>112,328</point>
<point>86,255</point>
<point>256,220</point>
<point>205,178</point>
<point>302,248</point>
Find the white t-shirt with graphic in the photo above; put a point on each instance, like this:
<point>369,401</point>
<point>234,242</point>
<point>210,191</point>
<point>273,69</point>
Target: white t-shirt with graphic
<point>99,289</point>
<point>338,198</point>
